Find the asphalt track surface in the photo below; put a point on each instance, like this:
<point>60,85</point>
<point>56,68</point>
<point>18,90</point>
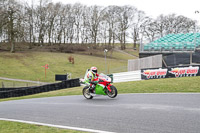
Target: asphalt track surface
<point>127,113</point>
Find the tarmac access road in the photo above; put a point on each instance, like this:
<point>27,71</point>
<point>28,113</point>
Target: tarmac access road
<point>127,113</point>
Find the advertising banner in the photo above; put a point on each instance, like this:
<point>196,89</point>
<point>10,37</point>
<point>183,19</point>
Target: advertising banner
<point>170,72</point>
<point>154,73</point>
<point>183,71</point>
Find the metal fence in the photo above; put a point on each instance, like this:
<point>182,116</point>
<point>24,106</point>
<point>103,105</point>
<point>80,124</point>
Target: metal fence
<point>5,84</point>
<point>147,62</point>
<point>127,76</point>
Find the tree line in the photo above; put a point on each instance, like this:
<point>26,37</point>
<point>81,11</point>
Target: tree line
<point>57,23</point>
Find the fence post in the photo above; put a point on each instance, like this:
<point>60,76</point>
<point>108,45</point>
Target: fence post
<point>2,84</point>
<point>190,58</point>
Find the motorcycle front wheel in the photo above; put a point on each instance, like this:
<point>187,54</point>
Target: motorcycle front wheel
<point>86,93</point>
<point>113,92</point>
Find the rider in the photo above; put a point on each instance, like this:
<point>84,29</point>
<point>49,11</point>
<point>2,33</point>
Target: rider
<point>91,75</point>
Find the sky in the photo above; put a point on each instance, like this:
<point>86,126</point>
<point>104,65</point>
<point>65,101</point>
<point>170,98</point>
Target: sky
<point>152,8</point>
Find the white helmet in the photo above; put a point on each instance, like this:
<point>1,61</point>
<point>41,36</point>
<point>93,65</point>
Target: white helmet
<point>93,70</point>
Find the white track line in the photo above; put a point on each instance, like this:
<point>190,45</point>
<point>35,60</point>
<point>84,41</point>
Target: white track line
<point>173,93</point>
<point>57,126</point>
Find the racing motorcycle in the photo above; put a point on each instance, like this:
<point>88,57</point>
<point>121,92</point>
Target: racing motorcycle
<point>102,88</point>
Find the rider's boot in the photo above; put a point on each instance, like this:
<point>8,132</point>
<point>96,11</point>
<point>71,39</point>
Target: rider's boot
<point>91,89</point>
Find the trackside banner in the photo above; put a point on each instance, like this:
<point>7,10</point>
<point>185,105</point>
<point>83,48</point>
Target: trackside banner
<point>170,72</point>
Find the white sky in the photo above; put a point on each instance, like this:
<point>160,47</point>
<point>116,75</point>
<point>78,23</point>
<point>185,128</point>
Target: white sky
<point>152,8</point>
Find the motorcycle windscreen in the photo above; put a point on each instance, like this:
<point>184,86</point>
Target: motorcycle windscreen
<point>100,90</point>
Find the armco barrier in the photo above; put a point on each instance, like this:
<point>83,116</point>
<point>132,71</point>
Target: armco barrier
<point>16,92</point>
<point>127,76</point>
<point>170,72</point>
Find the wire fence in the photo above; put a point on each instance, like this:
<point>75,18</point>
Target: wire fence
<point>146,62</point>
<point>6,84</point>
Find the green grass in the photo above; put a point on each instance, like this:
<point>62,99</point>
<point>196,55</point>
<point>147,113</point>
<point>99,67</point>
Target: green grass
<point>184,84</point>
<point>16,127</point>
<point>133,52</point>
<point>29,65</point>
<point>118,55</point>
<point>128,45</point>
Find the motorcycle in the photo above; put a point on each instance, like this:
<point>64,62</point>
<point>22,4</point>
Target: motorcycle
<point>104,87</point>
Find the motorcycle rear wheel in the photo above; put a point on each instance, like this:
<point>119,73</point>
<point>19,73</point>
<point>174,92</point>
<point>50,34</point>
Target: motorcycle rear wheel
<point>86,93</point>
<point>113,92</point>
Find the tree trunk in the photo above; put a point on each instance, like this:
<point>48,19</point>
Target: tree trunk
<point>12,47</point>
<point>30,35</point>
<point>12,33</point>
<point>134,40</point>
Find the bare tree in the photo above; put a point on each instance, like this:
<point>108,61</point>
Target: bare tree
<point>173,24</point>
<point>161,25</point>
<point>150,29</point>
<point>69,23</point>
<point>136,27</point>
<point>41,22</point>
<point>124,14</point>
<point>29,19</point>
<point>52,12</point>
<point>111,17</point>
<point>64,14</point>
<point>94,21</point>
<point>85,26</point>
<point>11,18</point>
<point>78,11</point>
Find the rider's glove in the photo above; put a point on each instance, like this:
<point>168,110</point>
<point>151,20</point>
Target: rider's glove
<point>94,82</point>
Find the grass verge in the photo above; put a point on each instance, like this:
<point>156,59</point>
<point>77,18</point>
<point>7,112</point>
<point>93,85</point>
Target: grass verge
<point>171,85</point>
<point>16,127</point>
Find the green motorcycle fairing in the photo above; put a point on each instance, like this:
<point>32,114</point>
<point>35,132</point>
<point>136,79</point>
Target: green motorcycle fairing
<point>100,90</point>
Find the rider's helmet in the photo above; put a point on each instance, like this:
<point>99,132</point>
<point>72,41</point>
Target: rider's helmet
<point>93,70</point>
